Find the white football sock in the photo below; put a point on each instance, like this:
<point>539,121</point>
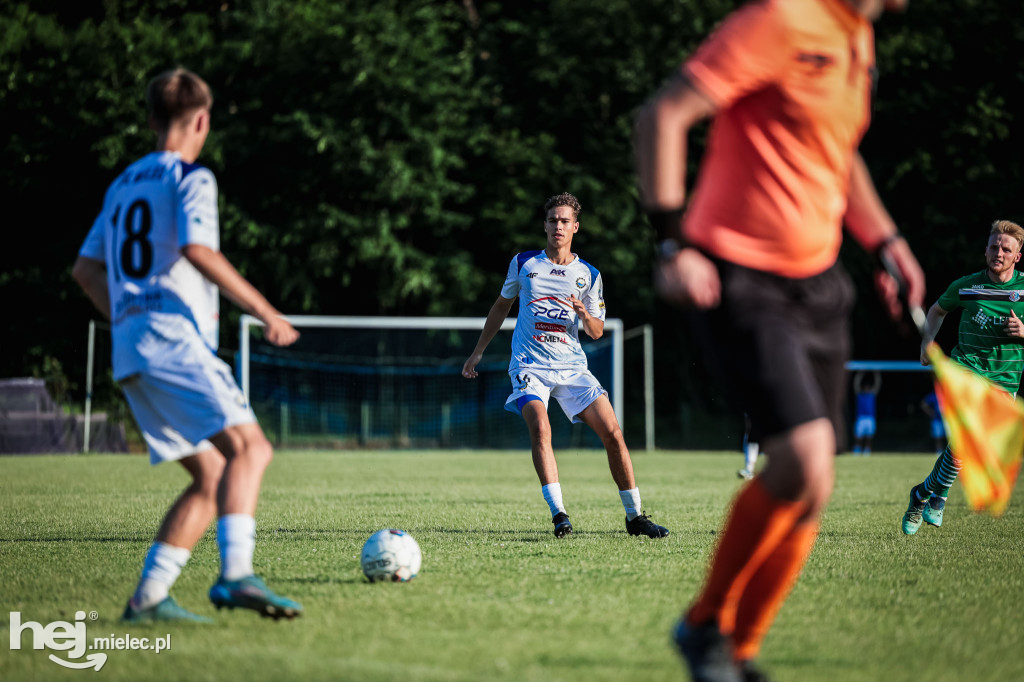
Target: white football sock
<point>631,502</point>
<point>236,538</point>
<point>553,496</point>
<point>751,456</point>
<point>161,568</point>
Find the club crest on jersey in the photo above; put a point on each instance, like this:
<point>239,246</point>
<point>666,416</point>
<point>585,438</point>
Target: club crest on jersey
<point>1014,296</point>
<point>581,282</point>
<point>558,273</point>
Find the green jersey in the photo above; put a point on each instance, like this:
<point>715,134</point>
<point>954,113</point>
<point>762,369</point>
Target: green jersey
<point>983,346</point>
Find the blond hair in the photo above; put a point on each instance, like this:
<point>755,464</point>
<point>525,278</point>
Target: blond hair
<point>1012,229</point>
<point>176,94</point>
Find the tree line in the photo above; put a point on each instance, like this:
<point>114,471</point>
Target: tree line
<point>405,148</point>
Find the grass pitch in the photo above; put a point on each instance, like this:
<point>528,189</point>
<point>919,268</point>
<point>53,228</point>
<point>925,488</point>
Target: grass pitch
<point>499,597</point>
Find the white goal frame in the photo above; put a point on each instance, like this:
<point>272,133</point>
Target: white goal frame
<point>367,322</point>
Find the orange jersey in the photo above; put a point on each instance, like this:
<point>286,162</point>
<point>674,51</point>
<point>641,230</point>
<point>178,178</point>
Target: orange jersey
<point>792,81</point>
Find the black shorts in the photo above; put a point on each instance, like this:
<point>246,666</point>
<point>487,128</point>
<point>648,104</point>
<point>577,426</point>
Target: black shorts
<point>780,345</point>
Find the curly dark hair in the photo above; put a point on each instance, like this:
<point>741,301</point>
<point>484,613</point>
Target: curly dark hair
<point>564,199</point>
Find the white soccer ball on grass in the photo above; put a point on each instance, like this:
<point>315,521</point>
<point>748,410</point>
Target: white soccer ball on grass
<point>391,555</point>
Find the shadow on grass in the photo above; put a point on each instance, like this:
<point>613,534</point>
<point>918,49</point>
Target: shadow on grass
<point>146,539</point>
<point>512,535</point>
<point>323,580</point>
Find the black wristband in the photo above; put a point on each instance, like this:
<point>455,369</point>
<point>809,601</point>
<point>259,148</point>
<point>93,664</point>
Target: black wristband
<point>884,244</point>
<point>666,224</point>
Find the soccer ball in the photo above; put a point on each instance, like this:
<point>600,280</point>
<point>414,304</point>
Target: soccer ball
<point>391,554</point>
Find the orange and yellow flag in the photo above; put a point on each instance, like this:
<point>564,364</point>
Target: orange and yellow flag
<point>985,426</point>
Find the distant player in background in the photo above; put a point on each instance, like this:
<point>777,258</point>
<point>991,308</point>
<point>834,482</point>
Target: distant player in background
<point>152,265</point>
<point>864,423</point>
<point>754,255</point>
<point>930,406</point>
<point>558,293</point>
<point>989,343</point>
<point>751,449</point>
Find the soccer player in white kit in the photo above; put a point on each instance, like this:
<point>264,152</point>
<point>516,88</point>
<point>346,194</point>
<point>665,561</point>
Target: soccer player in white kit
<point>152,264</point>
<point>558,293</point>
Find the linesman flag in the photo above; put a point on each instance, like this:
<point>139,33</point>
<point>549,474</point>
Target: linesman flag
<point>985,426</point>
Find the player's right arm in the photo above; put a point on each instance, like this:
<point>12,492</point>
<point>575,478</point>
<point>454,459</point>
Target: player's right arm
<point>496,316</point>
<point>686,277</point>
<point>748,50</point>
<point>214,266</point>
<point>933,322</point>
<point>90,268</point>
<point>91,275</point>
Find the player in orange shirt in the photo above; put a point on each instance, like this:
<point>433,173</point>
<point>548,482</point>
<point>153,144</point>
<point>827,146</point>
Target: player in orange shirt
<point>789,85</point>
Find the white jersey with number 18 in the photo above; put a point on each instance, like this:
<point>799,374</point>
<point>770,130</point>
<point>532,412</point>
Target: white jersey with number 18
<point>158,299</point>
<point>547,329</point>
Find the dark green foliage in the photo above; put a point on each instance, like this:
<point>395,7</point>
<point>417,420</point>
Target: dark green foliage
<point>389,157</point>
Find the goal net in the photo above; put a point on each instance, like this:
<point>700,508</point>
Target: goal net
<point>397,382</point>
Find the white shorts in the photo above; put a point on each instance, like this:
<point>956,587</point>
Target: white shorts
<point>574,390</point>
<point>178,410</point>
<point>863,427</point>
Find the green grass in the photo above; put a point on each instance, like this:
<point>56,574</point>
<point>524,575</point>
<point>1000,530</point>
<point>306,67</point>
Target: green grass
<point>499,598</point>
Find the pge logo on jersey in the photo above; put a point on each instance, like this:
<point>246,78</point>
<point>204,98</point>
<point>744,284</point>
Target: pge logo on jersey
<point>552,313</point>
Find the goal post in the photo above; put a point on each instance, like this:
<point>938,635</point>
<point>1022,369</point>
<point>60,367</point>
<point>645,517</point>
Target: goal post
<point>355,371</point>
<point>646,334</point>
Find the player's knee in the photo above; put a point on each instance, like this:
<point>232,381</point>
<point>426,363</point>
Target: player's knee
<point>208,479</point>
<point>801,463</point>
<point>260,452</point>
<point>818,489</point>
<point>613,439</point>
<point>540,433</point>
<point>206,469</point>
<point>815,474</point>
<point>247,445</point>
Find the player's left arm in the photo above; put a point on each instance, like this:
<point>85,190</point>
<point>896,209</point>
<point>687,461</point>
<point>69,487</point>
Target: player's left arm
<point>199,241</point>
<point>936,314</point>
<point>870,224</point>
<point>214,266</point>
<point>592,325</point>
<point>91,275</point>
<point>590,309</point>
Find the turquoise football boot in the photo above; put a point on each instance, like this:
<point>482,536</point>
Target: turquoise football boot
<point>165,611</point>
<point>912,518</point>
<point>251,593</point>
<point>933,511</point>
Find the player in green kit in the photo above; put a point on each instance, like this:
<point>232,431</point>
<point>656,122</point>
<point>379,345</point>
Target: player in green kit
<point>990,344</point>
